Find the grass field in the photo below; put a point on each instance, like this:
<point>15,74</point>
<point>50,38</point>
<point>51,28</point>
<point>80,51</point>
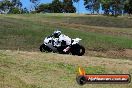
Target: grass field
<point>108,43</point>
<point>38,70</point>
<point>99,33</point>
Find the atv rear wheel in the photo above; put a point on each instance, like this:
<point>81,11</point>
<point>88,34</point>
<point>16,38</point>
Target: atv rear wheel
<point>77,50</point>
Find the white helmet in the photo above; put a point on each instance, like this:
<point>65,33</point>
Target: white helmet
<point>57,34</point>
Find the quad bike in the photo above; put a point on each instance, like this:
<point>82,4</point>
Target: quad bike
<point>75,48</point>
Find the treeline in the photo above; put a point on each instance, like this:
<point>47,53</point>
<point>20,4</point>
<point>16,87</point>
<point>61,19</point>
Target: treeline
<point>57,6</point>
<point>12,6</point>
<point>106,7</point>
<point>109,7</point>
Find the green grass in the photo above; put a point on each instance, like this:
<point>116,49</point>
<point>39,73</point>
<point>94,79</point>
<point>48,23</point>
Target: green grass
<point>35,70</point>
<point>102,21</point>
<point>35,73</point>
<point>26,32</point>
<point>41,70</point>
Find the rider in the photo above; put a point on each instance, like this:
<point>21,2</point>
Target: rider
<point>62,40</point>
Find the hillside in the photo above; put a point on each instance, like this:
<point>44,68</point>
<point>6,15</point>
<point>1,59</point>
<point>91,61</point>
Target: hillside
<point>22,69</point>
<point>102,36</point>
<point>108,43</point>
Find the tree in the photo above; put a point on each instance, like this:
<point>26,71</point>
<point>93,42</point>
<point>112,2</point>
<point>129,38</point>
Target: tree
<point>25,10</point>
<point>56,6</point>
<point>68,6</point>
<point>17,3</point>
<point>117,7</point>
<point>15,10</point>
<point>17,6</point>
<point>92,5</point>
<point>36,3</point>
<point>5,5</point>
<point>128,7</point>
<point>11,6</point>
<point>106,6</point>
<point>44,8</point>
<point>77,1</point>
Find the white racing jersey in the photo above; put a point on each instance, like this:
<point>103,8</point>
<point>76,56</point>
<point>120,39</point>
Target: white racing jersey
<point>61,38</point>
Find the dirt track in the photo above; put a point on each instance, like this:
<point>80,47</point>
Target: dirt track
<point>126,53</point>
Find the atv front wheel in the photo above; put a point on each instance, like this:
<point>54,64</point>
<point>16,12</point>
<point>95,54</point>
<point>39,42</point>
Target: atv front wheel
<point>44,48</point>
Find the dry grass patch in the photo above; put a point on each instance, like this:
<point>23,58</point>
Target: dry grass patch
<point>20,69</point>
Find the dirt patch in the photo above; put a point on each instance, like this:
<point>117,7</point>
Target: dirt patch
<point>122,53</point>
<point>126,53</point>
